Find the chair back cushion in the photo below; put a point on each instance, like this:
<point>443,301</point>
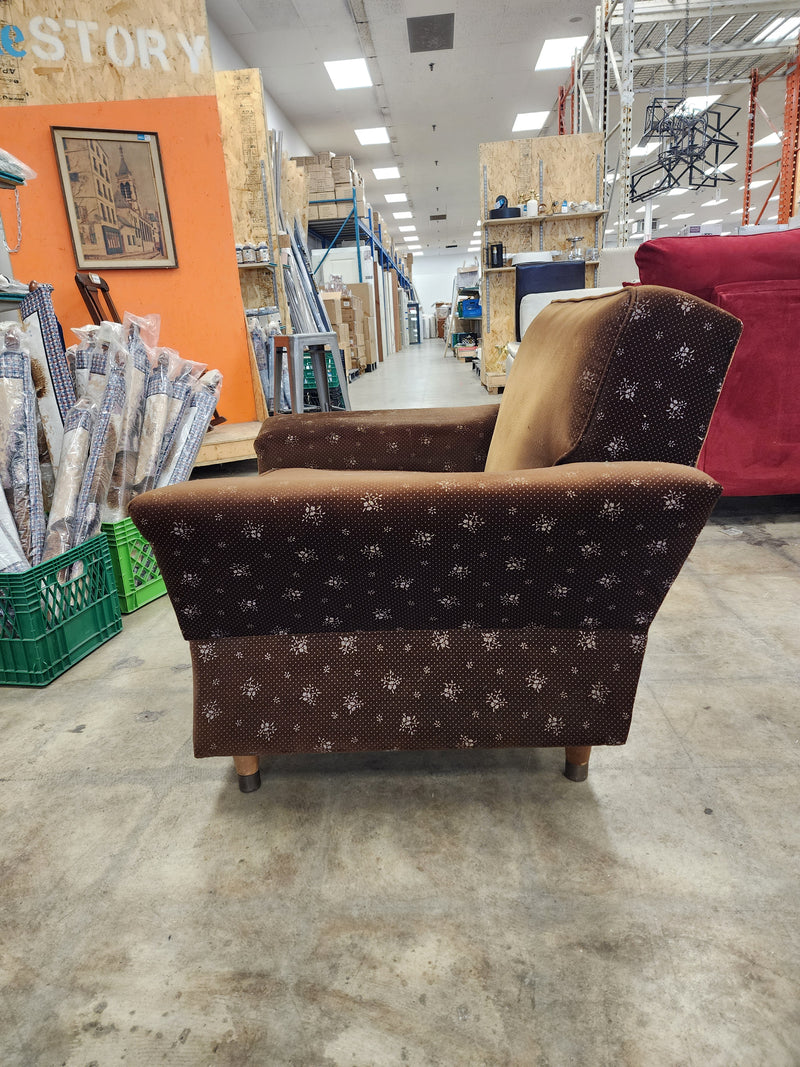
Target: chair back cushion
<point>628,375</point>
<point>698,264</point>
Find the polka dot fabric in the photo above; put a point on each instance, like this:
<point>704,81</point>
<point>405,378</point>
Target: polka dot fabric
<point>413,439</point>
<point>388,592</point>
<point>502,567</point>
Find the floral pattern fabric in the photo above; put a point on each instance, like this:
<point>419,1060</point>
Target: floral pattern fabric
<point>422,689</point>
<point>390,593</point>
<point>414,439</point>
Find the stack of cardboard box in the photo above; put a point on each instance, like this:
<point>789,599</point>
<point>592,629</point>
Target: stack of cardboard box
<point>351,317</point>
<point>332,178</point>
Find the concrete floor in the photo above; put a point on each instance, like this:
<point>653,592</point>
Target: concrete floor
<point>452,909</point>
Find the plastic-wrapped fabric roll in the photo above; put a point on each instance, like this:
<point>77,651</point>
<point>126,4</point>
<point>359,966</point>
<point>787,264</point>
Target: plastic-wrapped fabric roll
<point>187,442</point>
<point>12,558</point>
<point>123,475</point>
<point>105,352</point>
<point>80,357</point>
<point>184,375</point>
<point>102,453</point>
<point>62,525</point>
<point>156,414</point>
<point>145,328</point>
<point>19,449</point>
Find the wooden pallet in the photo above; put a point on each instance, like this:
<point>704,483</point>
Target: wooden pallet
<point>228,443</point>
<point>492,381</point>
<point>465,352</point>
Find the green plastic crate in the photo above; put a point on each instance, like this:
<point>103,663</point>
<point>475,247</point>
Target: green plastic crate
<point>309,379</point>
<point>56,613</point>
<point>135,569</point>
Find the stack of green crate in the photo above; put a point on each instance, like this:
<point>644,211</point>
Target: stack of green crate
<point>135,569</point>
<point>54,614</point>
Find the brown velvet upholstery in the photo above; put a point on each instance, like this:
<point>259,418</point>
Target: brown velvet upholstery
<point>336,610</point>
<point>408,439</point>
<point>612,377</point>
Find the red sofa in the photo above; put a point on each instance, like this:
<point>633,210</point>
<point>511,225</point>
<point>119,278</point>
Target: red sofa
<point>753,442</point>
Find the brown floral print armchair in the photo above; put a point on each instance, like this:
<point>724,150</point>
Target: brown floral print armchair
<point>441,578</point>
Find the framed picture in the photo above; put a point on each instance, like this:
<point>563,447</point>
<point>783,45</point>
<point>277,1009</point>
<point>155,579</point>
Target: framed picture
<point>115,197</point>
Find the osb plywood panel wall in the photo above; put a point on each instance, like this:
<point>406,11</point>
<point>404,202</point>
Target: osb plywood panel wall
<point>72,51</point>
<point>294,192</point>
<point>569,171</point>
<point>245,144</point>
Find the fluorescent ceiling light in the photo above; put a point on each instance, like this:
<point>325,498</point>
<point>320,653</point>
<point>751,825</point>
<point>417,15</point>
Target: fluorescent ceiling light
<point>382,173</point>
<point>374,135</point>
<point>529,120</point>
<point>414,248</point>
<point>416,253</point>
<point>407,229</point>
<point>771,138</point>
<point>757,184</point>
<point>692,104</point>
<point>641,210</point>
<point>608,232</point>
<point>558,52</point>
<point>772,218</point>
<point>677,192</point>
<point>396,198</point>
<point>476,233</point>
<point>778,29</point>
<point>645,150</point>
<point>712,222</point>
<point>721,169</point>
<point>685,215</point>
<point>713,203</point>
<point>402,215</point>
<point>737,211</point>
<point>348,73</point>
<point>411,240</point>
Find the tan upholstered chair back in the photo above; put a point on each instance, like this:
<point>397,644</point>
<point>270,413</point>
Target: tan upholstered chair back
<point>620,376</point>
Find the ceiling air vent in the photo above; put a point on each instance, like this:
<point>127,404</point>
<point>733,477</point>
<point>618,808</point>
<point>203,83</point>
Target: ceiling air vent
<point>431,33</point>
<point>438,218</point>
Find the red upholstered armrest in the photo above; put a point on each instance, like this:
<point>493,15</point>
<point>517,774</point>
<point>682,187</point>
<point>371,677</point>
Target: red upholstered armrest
<point>584,546</point>
<point>697,264</point>
<point>413,439</point>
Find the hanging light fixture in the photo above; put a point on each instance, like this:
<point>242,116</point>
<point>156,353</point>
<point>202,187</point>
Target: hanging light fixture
<point>690,131</point>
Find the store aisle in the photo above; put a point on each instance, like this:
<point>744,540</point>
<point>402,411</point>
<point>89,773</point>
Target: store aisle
<point>419,376</point>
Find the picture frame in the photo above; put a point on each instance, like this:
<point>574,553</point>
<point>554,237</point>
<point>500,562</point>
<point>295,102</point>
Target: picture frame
<point>115,198</point>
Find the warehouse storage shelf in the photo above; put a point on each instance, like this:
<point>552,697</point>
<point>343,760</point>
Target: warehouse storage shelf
<point>352,227</point>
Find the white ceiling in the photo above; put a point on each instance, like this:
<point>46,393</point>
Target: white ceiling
<point>475,90</point>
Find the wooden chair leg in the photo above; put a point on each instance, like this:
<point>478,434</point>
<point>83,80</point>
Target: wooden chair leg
<point>249,774</point>
<point>576,767</point>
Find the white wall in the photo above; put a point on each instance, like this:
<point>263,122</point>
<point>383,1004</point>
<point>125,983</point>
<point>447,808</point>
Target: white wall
<point>433,278</point>
<point>225,57</point>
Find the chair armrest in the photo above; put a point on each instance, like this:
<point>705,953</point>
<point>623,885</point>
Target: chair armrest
<point>586,546</point>
<point>414,439</point>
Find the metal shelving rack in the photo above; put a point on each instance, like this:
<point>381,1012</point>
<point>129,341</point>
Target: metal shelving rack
<point>351,227</point>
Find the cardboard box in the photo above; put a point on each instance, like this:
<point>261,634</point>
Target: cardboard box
<point>313,212</point>
<point>333,306</point>
<point>344,191</point>
<point>328,211</point>
<point>342,164</point>
<point>366,294</point>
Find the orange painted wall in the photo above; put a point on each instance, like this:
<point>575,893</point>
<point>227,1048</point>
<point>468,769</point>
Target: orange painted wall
<point>200,302</point>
